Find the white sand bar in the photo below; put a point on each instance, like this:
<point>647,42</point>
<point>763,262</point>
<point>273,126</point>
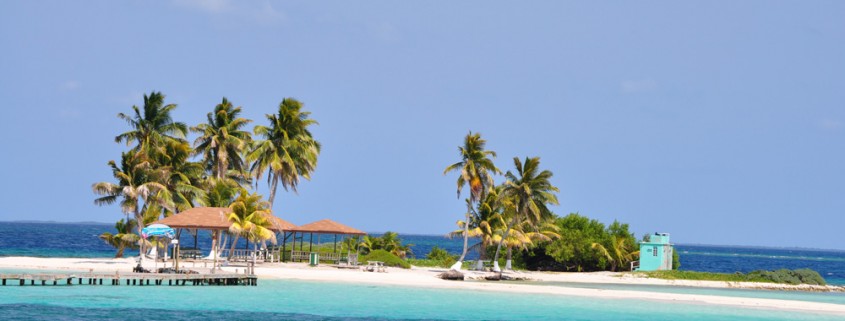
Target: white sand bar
<point>427,278</point>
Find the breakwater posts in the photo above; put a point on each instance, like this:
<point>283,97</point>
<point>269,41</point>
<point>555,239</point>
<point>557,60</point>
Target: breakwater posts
<point>130,279</point>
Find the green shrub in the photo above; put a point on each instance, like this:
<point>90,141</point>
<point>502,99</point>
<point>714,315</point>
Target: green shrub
<point>439,257</point>
<point>799,276</point>
<point>782,276</point>
<point>388,258</point>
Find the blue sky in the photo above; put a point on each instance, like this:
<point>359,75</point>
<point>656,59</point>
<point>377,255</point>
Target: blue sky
<point>721,122</point>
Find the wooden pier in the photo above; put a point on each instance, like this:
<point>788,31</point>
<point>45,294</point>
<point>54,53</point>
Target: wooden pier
<point>130,279</point>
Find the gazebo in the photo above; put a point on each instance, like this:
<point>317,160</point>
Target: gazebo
<point>320,227</point>
<point>214,219</point>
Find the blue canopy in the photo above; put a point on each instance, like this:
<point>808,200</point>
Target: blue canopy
<point>158,230</point>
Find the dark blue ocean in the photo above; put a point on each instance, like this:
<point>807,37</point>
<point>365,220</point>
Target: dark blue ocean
<point>81,240</point>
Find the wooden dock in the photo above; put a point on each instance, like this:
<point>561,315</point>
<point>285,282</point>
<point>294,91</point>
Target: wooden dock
<point>136,279</point>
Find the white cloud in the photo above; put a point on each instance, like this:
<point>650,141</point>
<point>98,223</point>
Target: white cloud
<point>830,124</point>
<point>638,86</point>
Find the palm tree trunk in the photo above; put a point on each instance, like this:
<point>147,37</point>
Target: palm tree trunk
<point>214,244</point>
<point>273,187</point>
<point>466,233</point>
<point>508,265</point>
<point>499,247</point>
<point>140,226</point>
<point>232,249</point>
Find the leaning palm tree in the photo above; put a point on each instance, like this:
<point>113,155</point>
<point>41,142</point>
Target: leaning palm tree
<point>287,151</point>
<point>529,194</point>
<point>123,239</point>
<point>137,182</point>
<point>222,140</point>
<point>152,128</point>
<point>475,169</point>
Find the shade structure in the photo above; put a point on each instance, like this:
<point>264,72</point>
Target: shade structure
<point>158,230</point>
<point>215,218</point>
<point>280,225</point>
<point>208,218</point>
<point>327,227</point>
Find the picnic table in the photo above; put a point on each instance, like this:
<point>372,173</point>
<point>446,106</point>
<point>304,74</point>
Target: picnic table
<point>375,266</point>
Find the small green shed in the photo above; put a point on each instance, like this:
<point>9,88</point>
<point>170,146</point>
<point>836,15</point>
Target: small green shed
<point>655,253</point>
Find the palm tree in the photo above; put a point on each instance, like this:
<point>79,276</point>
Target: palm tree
<point>221,141</point>
<point>182,177</point>
<point>136,182</point>
<point>488,223</point>
<point>123,239</point>
<point>154,127</point>
<point>250,218</point>
<point>529,193</point>
<point>528,234</point>
<point>391,242</point>
<point>369,244</point>
<point>621,252</point>
<point>475,168</point>
<point>288,149</point>
<point>217,193</point>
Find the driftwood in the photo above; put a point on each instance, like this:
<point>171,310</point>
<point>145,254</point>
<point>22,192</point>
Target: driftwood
<point>496,276</point>
<point>452,275</point>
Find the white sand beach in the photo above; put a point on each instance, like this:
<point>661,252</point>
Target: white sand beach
<point>427,278</point>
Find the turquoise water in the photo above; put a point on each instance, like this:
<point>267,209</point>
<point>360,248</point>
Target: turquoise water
<point>823,297</point>
<point>300,300</point>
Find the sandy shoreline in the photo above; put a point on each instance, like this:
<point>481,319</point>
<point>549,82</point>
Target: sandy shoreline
<point>427,278</point>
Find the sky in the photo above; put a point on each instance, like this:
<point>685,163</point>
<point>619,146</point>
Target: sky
<point>720,122</point>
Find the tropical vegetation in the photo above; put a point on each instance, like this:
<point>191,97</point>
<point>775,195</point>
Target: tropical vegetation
<point>389,259</point>
<point>123,239</point>
<point>161,174</point>
<point>782,276</point>
<point>389,242</point>
<point>515,216</point>
<point>476,169</point>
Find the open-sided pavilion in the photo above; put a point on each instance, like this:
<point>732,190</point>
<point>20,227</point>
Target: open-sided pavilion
<point>321,227</point>
<point>214,219</point>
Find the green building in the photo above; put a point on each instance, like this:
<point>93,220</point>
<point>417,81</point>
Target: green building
<point>655,253</point>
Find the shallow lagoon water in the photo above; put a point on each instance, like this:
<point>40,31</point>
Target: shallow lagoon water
<point>823,297</point>
<point>301,300</point>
